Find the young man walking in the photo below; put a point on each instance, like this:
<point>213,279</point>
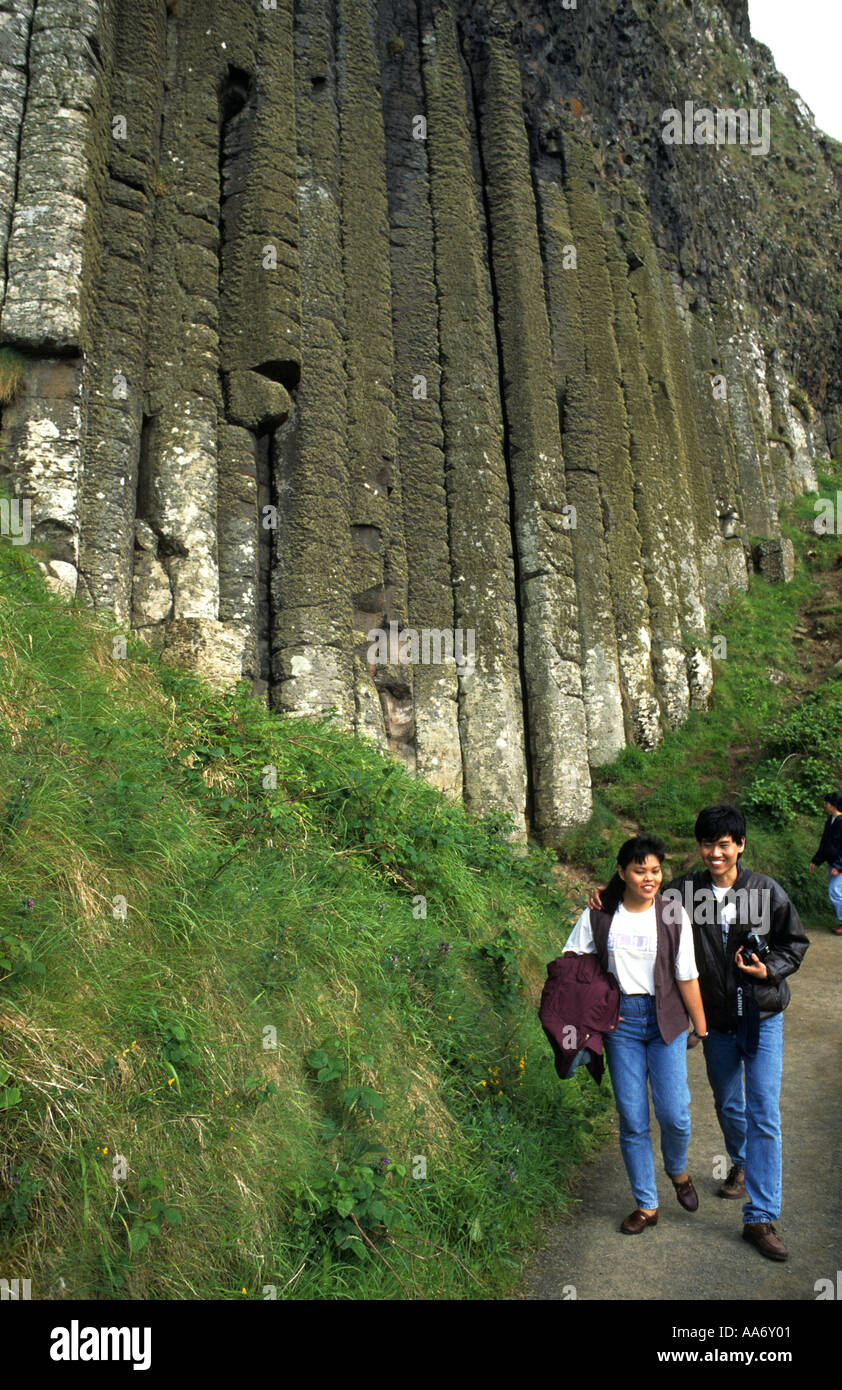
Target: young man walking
<point>744,993</point>
<point>830,852</point>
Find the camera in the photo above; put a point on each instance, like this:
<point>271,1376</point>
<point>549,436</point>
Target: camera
<point>755,948</point>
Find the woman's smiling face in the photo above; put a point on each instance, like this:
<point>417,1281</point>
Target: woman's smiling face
<point>642,880</point>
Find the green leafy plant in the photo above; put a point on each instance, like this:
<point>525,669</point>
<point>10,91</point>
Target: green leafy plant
<point>148,1220</point>
<point>14,1208</point>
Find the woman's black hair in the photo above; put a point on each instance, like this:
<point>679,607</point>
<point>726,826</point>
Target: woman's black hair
<point>636,850</point>
<point>835,800</point>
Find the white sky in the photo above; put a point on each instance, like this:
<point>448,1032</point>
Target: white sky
<point>805,37</point>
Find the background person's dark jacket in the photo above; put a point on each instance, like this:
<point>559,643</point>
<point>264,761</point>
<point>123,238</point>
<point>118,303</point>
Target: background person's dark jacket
<point>579,1003</point>
<point>830,847</point>
<point>719,975</point>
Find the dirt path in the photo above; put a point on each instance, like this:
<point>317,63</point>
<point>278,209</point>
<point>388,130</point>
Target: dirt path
<point>701,1255</point>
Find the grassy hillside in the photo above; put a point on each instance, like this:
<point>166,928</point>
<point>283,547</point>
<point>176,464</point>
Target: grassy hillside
<point>255,982</point>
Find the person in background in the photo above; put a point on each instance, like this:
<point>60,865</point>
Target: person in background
<point>830,852</point>
<point>647,944</point>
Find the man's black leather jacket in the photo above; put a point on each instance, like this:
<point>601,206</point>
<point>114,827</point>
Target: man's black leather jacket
<point>762,907</point>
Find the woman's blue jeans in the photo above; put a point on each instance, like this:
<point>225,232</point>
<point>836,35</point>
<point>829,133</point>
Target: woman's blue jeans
<point>636,1051</point>
<point>834,892</point>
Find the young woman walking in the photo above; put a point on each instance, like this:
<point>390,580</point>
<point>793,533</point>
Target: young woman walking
<point>646,942</point>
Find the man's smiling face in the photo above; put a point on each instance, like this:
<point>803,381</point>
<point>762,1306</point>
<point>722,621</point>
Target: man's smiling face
<point>720,857</point>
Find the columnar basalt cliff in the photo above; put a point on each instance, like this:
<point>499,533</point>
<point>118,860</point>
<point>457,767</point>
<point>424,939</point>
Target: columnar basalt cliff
<point>411,315</point>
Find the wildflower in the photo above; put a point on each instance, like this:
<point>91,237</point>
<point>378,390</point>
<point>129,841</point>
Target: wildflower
<point>30,902</point>
<point>243,1290</point>
<point>450,1018</point>
<point>169,1083</point>
<point>483,1083</point>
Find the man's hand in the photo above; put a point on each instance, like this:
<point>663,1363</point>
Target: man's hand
<point>758,970</point>
<point>833,873</point>
<point>595,900</point>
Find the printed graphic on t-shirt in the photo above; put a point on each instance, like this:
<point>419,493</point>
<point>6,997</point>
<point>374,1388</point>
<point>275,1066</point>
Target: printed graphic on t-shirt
<point>639,943</point>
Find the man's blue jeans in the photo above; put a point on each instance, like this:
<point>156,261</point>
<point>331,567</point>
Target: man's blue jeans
<point>834,892</point>
<point>748,1111</point>
<point>634,1051</point>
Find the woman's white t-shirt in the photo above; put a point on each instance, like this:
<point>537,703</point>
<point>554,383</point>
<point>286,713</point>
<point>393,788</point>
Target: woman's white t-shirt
<point>632,947</point>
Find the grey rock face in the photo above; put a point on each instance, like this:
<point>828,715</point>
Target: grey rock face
<point>345,317</point>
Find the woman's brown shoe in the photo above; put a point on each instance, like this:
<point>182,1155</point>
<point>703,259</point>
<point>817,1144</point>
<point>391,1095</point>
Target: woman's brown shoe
<point>637,1222</point>
<point>686,1193</point>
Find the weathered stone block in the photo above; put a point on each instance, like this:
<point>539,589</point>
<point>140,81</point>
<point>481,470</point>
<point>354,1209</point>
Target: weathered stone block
<point>776,559</point>
<point>255,401</point>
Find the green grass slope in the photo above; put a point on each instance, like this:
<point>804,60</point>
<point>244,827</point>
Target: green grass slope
<point>267,1003</point>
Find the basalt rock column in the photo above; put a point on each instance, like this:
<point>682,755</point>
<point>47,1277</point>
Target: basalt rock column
<point>622,537</point>
<point>578,413</point>
<point>177,492</point>
<point>490,712</point>
<point>549,612</point>
<point>51,250</point>
<point>15,33</point>
<point>653,483</point>
<point>644,285</point>
<point>116,370</point>
<point>312,658</point>
<point>378,556</point>
<point>438,756</point>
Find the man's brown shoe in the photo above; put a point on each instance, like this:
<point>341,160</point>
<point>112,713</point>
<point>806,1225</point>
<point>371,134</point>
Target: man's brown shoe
<point>686,1193</point>
<point>637,1222</point>
<point>763,1235</point>
<point>735,1183</point>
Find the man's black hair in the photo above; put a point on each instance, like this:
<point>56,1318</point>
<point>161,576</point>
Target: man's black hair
<point>835,800</point>
<point>714,822</point>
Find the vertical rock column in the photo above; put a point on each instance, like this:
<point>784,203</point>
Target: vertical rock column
<point>117,359</point>
<point>549,613</point>
<point>715,428</point>
<point>578,413</point>
<point>259,319</point>
<point>759,509</point>
<point>622,537</point>
<point>490,711</point>
<point>697,445</point>
<point>311,633</point>
<point>438,757</point>
<point>644,286</point>
<point>51,251</point>
<point>15,31</point>
<point>177,494</point>
<point>660,534</point>
<point>378,558</point>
